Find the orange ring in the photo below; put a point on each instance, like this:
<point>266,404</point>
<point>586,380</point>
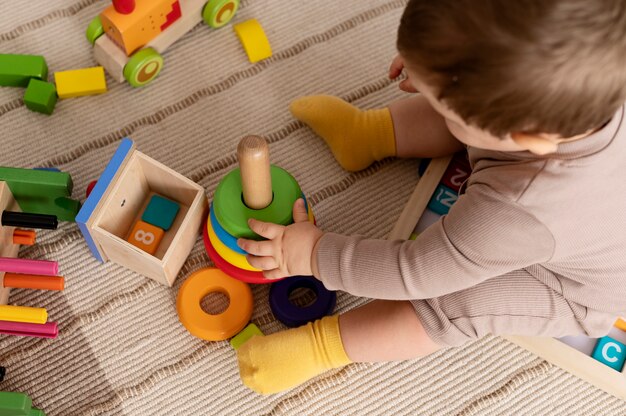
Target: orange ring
<point>214,327</point>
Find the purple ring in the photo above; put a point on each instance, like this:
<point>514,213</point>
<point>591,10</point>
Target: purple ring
<point>292,315</point>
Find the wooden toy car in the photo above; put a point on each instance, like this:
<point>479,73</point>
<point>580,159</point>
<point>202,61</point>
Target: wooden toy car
<point>129,36</point>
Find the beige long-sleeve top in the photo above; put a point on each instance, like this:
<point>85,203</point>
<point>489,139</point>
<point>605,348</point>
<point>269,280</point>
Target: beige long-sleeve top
<point>564,213</point>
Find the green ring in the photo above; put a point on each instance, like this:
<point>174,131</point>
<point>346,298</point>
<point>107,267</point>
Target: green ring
<point>233,214</point>
<point>94,30</point>
<point>134,69</point>
<point>211,12</point>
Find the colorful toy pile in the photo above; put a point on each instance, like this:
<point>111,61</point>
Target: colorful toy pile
<point>44,194</point>
<point>31,72</point>
<point>254,190</point>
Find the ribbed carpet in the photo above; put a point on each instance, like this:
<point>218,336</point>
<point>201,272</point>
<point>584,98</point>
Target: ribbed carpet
<point>121,349</point>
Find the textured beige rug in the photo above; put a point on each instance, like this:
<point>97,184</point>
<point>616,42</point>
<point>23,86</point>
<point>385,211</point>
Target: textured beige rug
<point>121,349</point>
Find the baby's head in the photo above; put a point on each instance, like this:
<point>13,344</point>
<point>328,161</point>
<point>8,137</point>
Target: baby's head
<point>518,75</point>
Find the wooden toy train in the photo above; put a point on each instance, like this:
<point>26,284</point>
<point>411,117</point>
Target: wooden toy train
<point>138,32</point>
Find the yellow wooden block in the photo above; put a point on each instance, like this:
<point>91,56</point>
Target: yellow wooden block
<point>134,30</point>
<point>78,82</point>
<point>253,39</point>
<point>620,324</point>
<point>146,236</point>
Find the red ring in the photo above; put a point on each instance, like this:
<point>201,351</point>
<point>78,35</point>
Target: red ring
<point>247,276</point>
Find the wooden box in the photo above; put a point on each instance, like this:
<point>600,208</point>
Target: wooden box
<point>119,199</point>
<point>551,349</point>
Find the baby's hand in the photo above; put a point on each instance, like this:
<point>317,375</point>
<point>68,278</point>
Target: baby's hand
<point>288,250</point>
<point>395,70</point>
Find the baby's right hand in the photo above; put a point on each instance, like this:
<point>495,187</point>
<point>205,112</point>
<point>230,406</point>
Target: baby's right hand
<point>395,70</point>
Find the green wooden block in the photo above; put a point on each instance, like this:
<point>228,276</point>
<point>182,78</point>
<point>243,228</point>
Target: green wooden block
<point>36,412</point>
<point>40,96</point>
<point>247,333</point>
<point>160,212</point>
<point>14,404</point>
<point>42,192</point>
<point>17,70</point>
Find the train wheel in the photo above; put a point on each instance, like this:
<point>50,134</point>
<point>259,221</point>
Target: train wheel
<point>217,13</point>
<point>143,67</point>
<point>94,30</point>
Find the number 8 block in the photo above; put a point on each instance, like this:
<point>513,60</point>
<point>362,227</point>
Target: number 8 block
<point>145,236</point>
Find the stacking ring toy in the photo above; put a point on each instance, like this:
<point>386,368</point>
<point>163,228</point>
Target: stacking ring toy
<point>233,214</point>
<point>230,241</point>
<point>236,259</point>
<point>227,239</point>
<point>213,327</point>
<point>292,315</point>
<point>235,272</point>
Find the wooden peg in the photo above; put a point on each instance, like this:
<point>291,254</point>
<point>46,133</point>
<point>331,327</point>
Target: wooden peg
<point>254,162</point>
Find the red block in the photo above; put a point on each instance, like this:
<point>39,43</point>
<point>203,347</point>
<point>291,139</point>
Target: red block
<point>458,171</point>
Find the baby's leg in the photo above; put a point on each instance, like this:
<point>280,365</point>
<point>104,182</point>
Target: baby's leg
<point>378,331</point>
<point>357,138</point>
<point>420,131</point>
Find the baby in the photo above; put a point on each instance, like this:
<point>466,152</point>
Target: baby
<point>536,243</point>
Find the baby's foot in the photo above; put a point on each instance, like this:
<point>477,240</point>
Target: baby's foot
<point>357,138</point>
<point>277,362</point>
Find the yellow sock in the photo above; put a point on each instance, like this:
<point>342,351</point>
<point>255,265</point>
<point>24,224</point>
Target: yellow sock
<point>357,138</point>
<point>280,361</point>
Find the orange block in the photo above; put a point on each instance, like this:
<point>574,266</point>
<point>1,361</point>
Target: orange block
<point>134,30</point>
<point>145,236</point>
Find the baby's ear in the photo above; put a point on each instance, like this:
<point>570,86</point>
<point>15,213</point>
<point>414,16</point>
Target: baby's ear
<point>538,144</point>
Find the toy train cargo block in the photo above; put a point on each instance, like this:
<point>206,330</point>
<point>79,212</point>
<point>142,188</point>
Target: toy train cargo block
<point>40,96</point>
<point>134,30</point>
<point>80,82</point>
<point>118,201</point>
<point>18,70</point>
<point>253,39</point>
<point>42,192</point>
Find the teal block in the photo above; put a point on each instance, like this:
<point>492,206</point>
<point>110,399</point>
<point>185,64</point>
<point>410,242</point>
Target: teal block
<point>14,404</point>
<point>40,96</point>
<point>610,352</point>
<point>17,70</point>
<point>160,212</point>
<point>443,198</point>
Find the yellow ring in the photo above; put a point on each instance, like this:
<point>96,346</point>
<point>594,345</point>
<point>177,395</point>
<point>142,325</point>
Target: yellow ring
<point>231,256</point>
<point>311,216</point>
<point>214,327</point>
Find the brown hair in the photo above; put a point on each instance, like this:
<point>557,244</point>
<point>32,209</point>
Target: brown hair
<point>549,66</point>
